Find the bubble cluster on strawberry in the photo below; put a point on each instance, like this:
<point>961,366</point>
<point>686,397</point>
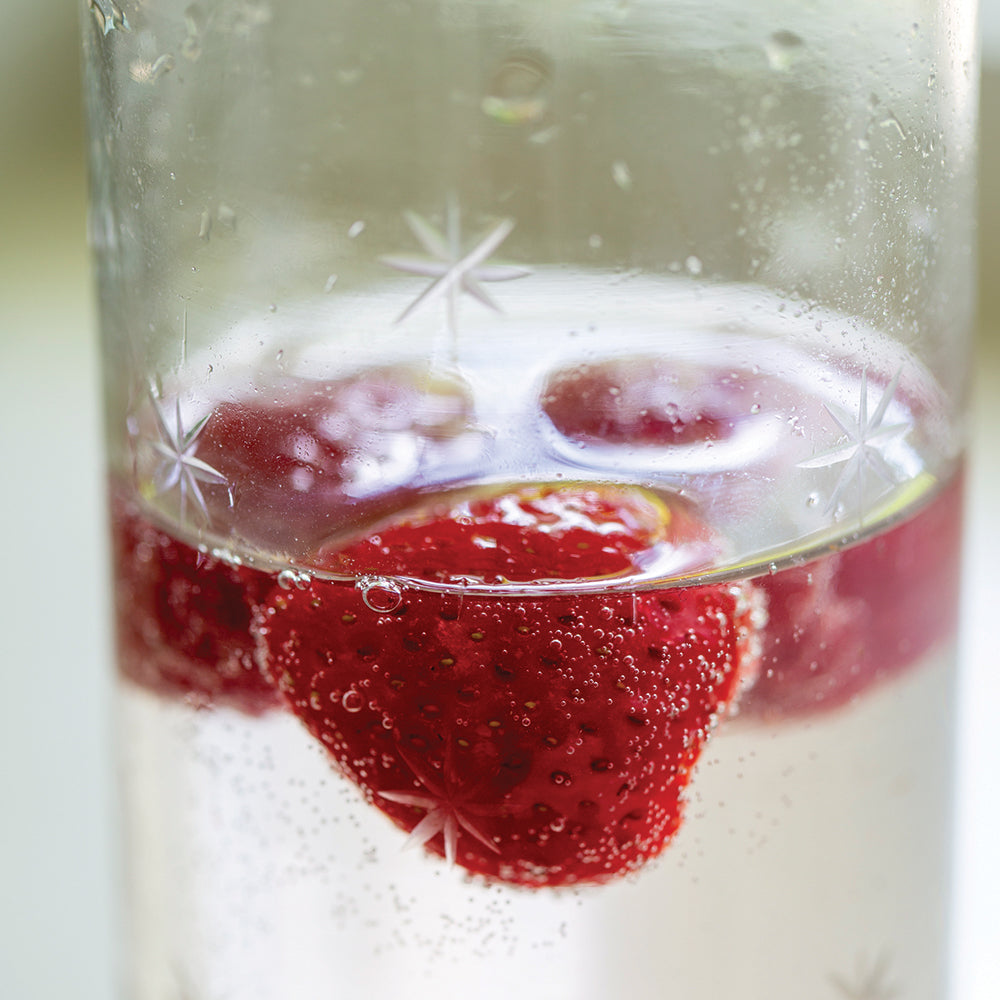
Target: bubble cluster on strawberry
<point>537,740</point>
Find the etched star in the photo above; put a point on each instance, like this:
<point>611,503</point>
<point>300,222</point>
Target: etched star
<point>178,466</point>
<point>448,810</point>
<point>110,19</point>
<point>454,272</point>
<point>865,448</point>
<point>869,981</point>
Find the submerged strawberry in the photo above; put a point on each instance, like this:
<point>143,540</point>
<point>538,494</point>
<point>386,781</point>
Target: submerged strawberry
<point>538,740</point>
<point>183,617</point>
<point>853,619</point>
<point>301,457</point>
<point>650,401</point>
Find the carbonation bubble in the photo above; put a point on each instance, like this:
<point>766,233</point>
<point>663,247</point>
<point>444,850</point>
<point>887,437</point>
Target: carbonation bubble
<point>380,594</point>
<point>353,701</point>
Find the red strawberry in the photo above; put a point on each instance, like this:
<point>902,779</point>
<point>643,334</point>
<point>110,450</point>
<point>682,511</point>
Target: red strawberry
<point>542,741</point>
<point>852,619</point>
<point>183,618</point>
<point>649,401</point>
<point>300,454</point>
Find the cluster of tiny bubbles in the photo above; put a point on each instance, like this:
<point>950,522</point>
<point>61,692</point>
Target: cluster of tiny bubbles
<point>294,578</point>
<point>380,593</point>
<point>226,556</point>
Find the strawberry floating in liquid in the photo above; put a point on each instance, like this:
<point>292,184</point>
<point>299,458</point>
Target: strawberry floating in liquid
<point>183,617</point>
<point>288,463</point>
<point>852,619</point>
<point>837,626</point>
<point>303,457</point>
<point>648,401</point>
<point>538,740</point>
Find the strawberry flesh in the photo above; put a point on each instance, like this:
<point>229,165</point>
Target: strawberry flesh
<point>539,741</point>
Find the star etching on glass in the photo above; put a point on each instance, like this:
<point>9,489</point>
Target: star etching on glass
<point>868,437</point>
<point>870,981</point>
<point>178,467</point>
<point>449,809</point>
<point>454,272</point>
<point>109,16</point>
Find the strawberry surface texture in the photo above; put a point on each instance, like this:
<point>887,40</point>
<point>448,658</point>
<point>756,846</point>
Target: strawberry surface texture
<point>536,740</point>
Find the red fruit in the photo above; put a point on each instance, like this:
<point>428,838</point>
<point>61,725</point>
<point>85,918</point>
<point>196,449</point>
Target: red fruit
<point>853,619</point>
<point>648,401</point>
<point>541,741</point>
<point>300,454</point>
<point>183,618</point>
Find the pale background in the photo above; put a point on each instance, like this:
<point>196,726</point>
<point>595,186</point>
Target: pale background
<point>56,841</point>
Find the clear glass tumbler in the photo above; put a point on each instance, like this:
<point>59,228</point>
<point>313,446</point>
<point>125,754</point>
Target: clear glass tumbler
<point>535,435</point>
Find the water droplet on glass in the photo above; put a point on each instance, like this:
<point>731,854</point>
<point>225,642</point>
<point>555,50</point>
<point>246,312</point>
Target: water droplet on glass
<point>353,700</point>
<point>356,229</point>
<point>544,136</point>
<point>164,64</point>
<point>380,593</point>
<point>330,282</point>
<point>205,225</point>
<point>621,174</point>
<point>517,93</point>
<point>693,265</point>
<point>782,49</point>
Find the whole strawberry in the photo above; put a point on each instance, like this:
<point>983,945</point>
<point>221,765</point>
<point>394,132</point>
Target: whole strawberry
<point>541,741</point>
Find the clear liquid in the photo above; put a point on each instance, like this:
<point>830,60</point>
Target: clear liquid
<point>812,859</point>
<point>812,853</point>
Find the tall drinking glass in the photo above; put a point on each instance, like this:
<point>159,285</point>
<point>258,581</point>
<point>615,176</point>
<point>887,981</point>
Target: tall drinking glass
<point>535,436</point>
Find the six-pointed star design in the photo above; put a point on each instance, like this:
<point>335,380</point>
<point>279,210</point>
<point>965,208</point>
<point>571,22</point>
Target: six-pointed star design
<point>178,466</point>
<point>453,271</point>
<point>866,444</point>
<point>448,806</point>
